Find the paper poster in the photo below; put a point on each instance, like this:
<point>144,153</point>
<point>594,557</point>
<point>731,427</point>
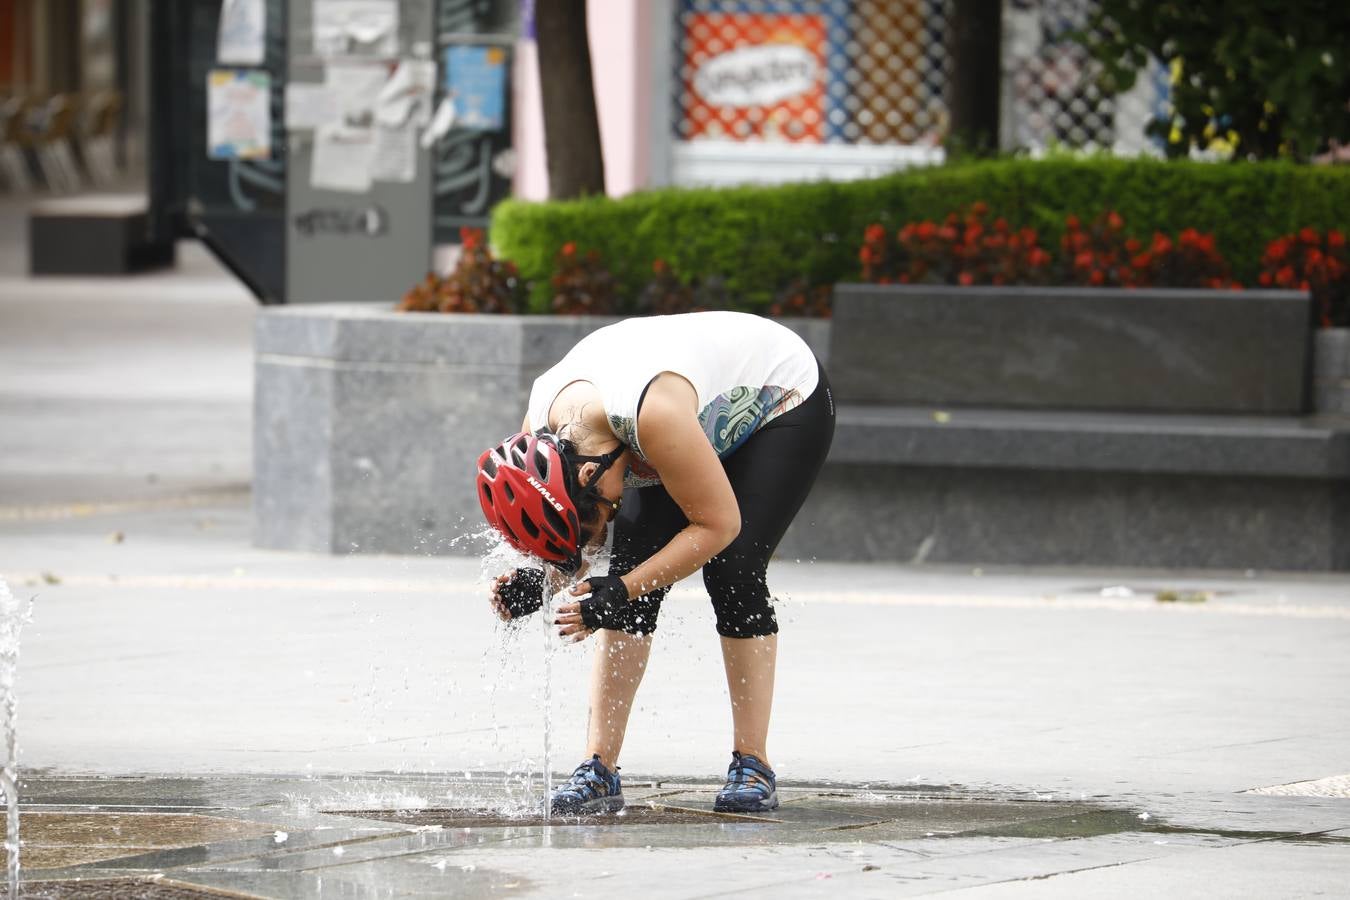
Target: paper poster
<point>311,105</point>
<point>239,114</point>
<point>440,123</point>
<point>476,78</point>
<point>357,86</point>
<point>356,27</point>
<point>343,157</point>
<point>395,154</point>
<point>241,39</point>
<point>406,97</point>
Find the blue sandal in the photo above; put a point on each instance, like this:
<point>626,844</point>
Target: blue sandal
<point>593,788</point>
<point>751,786</point>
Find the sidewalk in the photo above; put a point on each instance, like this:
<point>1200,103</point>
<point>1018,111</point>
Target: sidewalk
<point>265,690</point>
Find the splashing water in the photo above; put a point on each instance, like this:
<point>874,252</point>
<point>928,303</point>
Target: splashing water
<point>14,614</point>
<point>548,704</point>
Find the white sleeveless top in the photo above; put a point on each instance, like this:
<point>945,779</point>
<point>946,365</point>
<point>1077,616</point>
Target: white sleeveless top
<point>747,370</point>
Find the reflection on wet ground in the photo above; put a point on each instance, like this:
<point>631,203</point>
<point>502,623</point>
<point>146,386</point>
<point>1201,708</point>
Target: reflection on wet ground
<point>408,835</point>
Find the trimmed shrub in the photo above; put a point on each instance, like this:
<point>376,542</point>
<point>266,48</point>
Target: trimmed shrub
<point>760,239</point>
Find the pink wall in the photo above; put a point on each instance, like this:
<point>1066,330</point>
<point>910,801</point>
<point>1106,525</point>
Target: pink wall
<point>620,32</point>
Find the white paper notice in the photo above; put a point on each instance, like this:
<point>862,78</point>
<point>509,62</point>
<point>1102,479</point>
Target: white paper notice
<point>311,105</point>
<point>239,114</point>
<point>357,87</point>
<point>241,39</point>
<point>406,96</point>
<point>342,158</point>
<point>440,123</point>
<point>356,27</point>
<point>395,154</point>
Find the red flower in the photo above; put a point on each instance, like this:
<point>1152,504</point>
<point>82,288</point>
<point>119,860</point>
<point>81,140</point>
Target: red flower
<point>874,233</point>
<point>1096,277</point>
<point>1335,239</point>
<point>1141,260</point>
<point>1083,260</point>
<point>965,278</point>
<point>1071,222</point>
<point>1285,276</point>
<point>1264,279</point>
<point>1114,221</point>
<point>925,230</point>
<point>1309,236</point>
<point>569,249</point>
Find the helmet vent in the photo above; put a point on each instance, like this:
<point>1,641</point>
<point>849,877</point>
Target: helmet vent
<point>530,528</point>
<point>490,467</point>
<point>510,494</point>
<point>555,520</point>
<point>541,464</point>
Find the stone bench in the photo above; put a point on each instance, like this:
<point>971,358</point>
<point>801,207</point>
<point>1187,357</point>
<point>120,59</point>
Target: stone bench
<point>1025,426</point>
<point>994,486</point>
<point>94,234</point>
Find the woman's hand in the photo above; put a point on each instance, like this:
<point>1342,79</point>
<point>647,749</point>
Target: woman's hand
<point>606,606</point>
<point>572,629</point>
<point>518,594</point>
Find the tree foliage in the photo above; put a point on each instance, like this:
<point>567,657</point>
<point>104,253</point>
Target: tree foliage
<point>1269,76</point>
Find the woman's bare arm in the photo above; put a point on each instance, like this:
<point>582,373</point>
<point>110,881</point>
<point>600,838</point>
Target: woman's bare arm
<point>674,443</point>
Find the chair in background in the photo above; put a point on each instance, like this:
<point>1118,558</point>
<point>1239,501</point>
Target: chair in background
<point>52,139</point>
<point>16,143</point>
<point>97,136</point>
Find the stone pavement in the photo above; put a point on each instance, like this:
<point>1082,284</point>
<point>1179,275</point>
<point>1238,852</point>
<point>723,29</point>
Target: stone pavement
<point>206,715</point>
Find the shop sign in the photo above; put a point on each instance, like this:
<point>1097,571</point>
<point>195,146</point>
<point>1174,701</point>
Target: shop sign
<point>757,76</point>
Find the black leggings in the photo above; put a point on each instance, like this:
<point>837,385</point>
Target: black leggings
<point>771,474</point>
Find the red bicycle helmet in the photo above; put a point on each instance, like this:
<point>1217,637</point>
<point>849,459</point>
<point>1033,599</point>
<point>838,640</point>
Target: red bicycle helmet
<point>524,488</point>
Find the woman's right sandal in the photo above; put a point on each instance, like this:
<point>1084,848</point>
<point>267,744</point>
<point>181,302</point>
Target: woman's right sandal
<point>751,786</point>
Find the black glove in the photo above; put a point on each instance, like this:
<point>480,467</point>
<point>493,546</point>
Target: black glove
<point>524,593</point>
<point>607,606</point>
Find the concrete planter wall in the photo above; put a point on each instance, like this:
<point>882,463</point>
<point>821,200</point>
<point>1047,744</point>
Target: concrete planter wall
<point>1163,350</point>
<point>1331,371</point>
<point>368,422</point>
<point>1077,427</point>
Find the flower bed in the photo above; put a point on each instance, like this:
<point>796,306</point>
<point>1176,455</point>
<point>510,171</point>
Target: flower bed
<point>758,240</point>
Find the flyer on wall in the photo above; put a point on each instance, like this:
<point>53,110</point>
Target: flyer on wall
<point>239,114</point>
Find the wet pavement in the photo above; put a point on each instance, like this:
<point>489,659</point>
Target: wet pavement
<point>400,836</point>
<point>197,715</point>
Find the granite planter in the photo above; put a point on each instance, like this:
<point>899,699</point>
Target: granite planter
<point>1155,350</point>
<point>368,422</point>
<point>1331,371</point>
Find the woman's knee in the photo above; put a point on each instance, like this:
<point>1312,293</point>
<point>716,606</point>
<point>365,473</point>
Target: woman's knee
<point>741,601</point>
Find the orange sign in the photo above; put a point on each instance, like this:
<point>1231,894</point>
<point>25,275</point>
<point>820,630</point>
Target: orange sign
<point>754,77</point>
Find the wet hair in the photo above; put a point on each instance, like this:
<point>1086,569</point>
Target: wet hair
<point>583,496</point>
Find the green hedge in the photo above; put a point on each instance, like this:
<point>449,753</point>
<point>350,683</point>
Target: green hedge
<point>760,238</point>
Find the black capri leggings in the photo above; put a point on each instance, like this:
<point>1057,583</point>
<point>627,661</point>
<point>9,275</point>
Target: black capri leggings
<point>771,474</point>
